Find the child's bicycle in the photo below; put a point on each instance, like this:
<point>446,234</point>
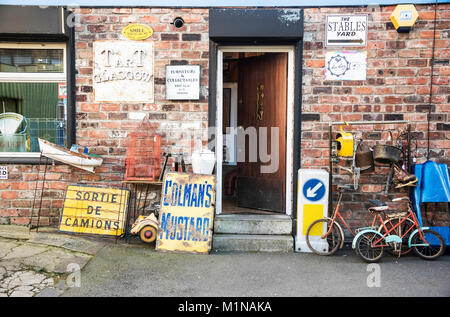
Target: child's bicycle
<point>426,243</point>
<point>325,236</point>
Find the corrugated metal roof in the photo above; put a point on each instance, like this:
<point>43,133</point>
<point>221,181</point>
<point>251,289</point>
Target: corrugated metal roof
<point>214,3</point>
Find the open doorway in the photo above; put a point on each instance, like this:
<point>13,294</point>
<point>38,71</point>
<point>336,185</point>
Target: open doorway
<point>256,134</point>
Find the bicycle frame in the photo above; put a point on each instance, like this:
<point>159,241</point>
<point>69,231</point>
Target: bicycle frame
<point>388,231</point>
<point>337,214</point>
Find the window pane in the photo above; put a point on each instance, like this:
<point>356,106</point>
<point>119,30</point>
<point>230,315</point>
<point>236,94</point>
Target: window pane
<point>31,60</point>
<point>29,111</point>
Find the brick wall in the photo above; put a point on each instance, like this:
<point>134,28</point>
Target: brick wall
<point>103,127</point>
<point>397,88</point>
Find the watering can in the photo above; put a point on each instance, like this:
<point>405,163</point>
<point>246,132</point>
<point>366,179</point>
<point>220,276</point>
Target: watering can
<point>344,143</point>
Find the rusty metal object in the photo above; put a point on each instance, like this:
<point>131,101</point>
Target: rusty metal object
<point>386,154</point>
<point>364,159</point>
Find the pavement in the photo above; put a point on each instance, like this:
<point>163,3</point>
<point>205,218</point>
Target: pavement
<point>42,264</point>
<point>38,263</point>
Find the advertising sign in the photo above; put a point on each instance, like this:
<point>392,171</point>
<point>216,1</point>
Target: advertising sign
<point>94,210</point>
<point>346,65</point>
<point>187,213</point>
<point>182,82</point>
<point>123,71</point>
<point>137,32</point>
<point>346,30</point>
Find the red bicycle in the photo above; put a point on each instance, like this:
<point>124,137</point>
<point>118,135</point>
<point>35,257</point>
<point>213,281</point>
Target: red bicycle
<point>426,243</point>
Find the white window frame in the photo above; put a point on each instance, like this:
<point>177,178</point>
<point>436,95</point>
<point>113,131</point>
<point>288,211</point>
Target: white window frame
<point>33,78</point>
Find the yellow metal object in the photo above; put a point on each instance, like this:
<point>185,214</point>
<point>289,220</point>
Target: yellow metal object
<point>94,210</point>
<point>137,32</point>
<point>344,143</point>
<point>404,17</point>
<point>187,213</point>
<point>312,213</point>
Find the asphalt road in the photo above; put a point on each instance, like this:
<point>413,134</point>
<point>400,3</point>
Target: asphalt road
<point>137,270</point>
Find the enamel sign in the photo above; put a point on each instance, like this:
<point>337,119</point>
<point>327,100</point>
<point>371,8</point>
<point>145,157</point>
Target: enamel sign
<point>187,213</point>
<point>346,65</point>
<point>137,32</point>
<point>94,210</point>
<point>346,30</point>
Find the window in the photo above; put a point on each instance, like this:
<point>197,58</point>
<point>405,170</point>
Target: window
<point>33,97</point>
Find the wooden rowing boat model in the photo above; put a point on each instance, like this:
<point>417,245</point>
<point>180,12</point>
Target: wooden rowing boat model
<point>63,155</point>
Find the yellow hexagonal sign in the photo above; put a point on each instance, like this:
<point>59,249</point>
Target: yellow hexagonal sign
<point>403,17</point>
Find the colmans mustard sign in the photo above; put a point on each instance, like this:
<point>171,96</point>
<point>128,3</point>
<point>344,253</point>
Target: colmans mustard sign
<point>94,210</point>
<point>137,32</point>
<point>187,213</point>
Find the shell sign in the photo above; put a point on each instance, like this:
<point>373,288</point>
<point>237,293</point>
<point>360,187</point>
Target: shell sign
<point>137,32</point>
<point>187,211</point>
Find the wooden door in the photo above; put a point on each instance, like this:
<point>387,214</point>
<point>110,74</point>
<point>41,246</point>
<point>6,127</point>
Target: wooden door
<point>263,103</point>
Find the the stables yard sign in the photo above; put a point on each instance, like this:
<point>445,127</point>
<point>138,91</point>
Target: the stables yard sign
<point>94,210</point>
<point>187,211</point>
<point>346,30</point>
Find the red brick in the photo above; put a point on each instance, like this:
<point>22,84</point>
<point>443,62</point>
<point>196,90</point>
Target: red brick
<point>9,195</point>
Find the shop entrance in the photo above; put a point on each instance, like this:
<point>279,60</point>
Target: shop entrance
<point>256,167</point>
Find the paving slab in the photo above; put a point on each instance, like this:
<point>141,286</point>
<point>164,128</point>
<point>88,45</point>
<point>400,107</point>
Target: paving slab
<point>33,262</point>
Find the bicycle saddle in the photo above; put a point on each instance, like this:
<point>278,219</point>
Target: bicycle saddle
<point>377,202</point>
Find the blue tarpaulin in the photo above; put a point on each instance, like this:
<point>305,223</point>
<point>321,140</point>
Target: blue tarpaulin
<point>433,186</point>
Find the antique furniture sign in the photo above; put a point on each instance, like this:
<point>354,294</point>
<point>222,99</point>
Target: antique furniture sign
<point>137,32</point>
<point>182,82</point>
<point>346,65</point>
<point>123,71</point>
<point>94,210</point>
<point>187,211</point>
<point>346,30</point>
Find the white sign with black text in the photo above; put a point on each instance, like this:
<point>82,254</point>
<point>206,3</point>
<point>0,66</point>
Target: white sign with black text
<point>182,82</point>
<point>346,30</point>
<point>3,172</point>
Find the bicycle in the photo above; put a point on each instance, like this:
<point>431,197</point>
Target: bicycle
<point>333,238</point>
<point>426,243</point>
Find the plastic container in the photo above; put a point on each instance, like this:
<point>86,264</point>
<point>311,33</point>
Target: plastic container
<point>203,162</point>
<point>10,122</point>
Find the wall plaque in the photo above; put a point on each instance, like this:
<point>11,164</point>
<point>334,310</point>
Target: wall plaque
<point>123,71</point>
<point>346,30</point>
<point>346,65</point>
<point>182,82</point>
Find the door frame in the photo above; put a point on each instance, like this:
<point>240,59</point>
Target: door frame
<point>290,115</point>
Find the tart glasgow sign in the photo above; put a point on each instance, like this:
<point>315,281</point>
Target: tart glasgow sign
<point>123,71</point>
<point>346,30</point>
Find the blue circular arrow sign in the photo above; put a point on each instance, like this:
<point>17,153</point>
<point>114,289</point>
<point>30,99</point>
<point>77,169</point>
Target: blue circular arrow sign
<point>314,189</point>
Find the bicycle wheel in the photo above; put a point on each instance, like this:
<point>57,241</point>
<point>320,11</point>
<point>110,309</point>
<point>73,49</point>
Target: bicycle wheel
<point>430,249</point>
<point>323,245</point>
<point>399,231</point>
<point>364,247</point>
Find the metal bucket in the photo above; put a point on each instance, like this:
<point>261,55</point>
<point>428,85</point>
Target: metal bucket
<point>386,154</point>
<point>364,159</point>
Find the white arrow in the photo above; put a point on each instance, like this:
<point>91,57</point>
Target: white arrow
<point>311,193</point>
